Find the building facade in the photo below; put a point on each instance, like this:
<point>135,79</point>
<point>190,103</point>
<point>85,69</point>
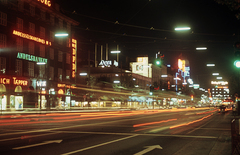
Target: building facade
<point>36,68</point>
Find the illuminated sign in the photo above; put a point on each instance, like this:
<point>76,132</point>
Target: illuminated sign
<point>74,62</point>
<point>30,37</point>
<point>19,82</point>
<point>108,63</point>
<point>60,91</point>
<point>219,82</point>
<point>46,2</point>
<point>105,63</point>
<point>142,60</point>
<point>4,81</point>
<point>41,83</point>
<point>15,81</point>
<point>31,57</point>
<point>65,86</point>
<point>181,64</point>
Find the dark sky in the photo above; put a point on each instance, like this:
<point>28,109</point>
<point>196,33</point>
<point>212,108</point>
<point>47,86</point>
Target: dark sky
<point>212,25</point>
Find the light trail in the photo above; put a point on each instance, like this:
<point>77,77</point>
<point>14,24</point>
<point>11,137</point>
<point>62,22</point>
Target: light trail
<point>185,124</point>
<point>144,124</point>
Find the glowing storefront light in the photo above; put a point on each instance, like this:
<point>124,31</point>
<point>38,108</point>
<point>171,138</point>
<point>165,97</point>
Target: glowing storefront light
<point>219,82</point>
<point>30,37</point>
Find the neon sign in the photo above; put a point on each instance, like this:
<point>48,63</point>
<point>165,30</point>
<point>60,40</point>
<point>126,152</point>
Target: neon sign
<point>46,2</point>
<point>15,81</point>
<point>30,37</point>
<point>65,86</point>
<point>19,82</point>
<point>41,83</point>
<point>31,57</point>
<point>4,81</point>
<point>74,49</point>
<point>219,82</point>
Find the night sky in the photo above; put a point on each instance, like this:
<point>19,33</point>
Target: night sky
<point>212,25</point>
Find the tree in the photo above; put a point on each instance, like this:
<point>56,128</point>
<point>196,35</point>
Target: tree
<point>233,5</point>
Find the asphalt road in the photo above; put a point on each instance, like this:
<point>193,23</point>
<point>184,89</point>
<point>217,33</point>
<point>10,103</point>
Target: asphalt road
<point>150,132</point>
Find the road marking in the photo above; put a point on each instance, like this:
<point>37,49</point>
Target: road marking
<point>140,134</point>
<point>31,136</point>
<point>148,149</point>
<point>87,148</point>
<point>44,143</point>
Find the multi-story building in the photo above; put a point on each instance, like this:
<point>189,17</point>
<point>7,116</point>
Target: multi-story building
<point>27,38</point>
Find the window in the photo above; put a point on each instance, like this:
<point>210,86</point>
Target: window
<point>60,41</point>
<point>19,67</point>
<point>68,58</point>
<point>69,27</point>
<point>43,15</point>
<point>32,10</point>
<point>51,53</point>
<point>52,19</point>
<point>19,44</point>
<point>51,38</point>
<point>31,28</point>
<point>3,19</point>
<point>20,5</point>
<point>51,73</point>
<point>42,70</point>
<point>42,51</point>
<point>60,23</point>
<point>3,40</point>
<point>31,48</point>
<point>19,24</point>
<point>67,74</point>
<point>42,32</point>
<point>3,1</point>
<point>2,65</point>
<point>60,74</point>
<point>31,69</point>
<point>60,56</point>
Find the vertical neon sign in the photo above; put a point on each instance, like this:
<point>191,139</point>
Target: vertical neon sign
<point>74,55</point>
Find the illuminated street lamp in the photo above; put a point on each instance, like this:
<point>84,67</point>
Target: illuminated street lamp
<point>182,28</point>
<point>219,78</point>
<point>61,34</point>
<point>201,48</point>
<point>83,74</point>
<point>215,74</point>
<point>210,65</point>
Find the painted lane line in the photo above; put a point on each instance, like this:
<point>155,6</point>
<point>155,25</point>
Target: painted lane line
<point>33,145</point>
<point>28,136</point>
<point>148,149</point>
<point>140,134</point>
<point>91,147</point>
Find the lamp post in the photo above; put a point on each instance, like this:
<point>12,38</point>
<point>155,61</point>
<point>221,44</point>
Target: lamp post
<point>41,83</point>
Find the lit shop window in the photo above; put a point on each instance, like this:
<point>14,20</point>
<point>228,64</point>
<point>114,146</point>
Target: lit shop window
<point>68,74</point>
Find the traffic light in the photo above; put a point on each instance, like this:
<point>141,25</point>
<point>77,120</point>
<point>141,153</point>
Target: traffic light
<point>159,58</point>
<point>237,54</point>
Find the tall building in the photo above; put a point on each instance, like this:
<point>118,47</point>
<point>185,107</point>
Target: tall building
<point>37,69</point>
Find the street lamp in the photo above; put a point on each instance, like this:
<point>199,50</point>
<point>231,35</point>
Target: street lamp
<point>61,34</point>
<point>210,65</point>
<point>201,48</point>
<point>182,28</point>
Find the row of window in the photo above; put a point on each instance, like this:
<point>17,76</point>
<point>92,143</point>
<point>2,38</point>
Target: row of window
<point>43,14</point>
<point>42,70</point>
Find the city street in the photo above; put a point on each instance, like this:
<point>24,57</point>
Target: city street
<point>199,131</point>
